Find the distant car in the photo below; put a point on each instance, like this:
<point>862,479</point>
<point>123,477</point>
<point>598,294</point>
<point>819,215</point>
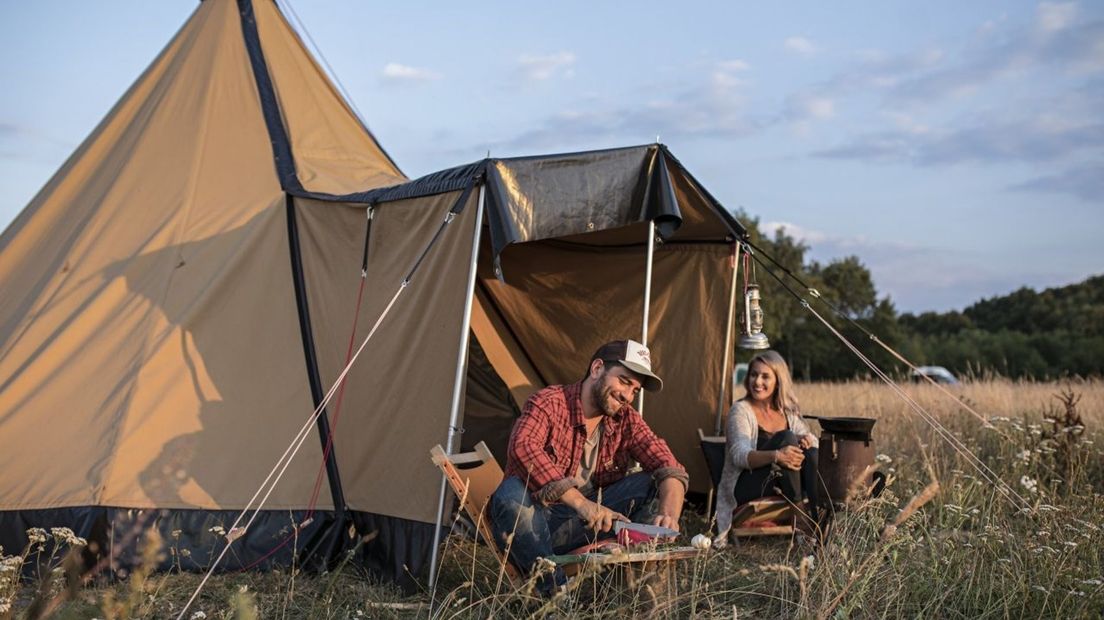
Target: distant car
<point>938,374</point>
<point>738,374</point>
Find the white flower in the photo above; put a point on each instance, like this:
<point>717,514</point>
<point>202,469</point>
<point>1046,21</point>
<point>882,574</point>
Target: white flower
<point>1029,483</point>
<point>243,588</point>
<point>36,535</point>
<point>5,606</point>
<point>1025,455</point>
<point>218,530</point>
<point>199,615</point>
<point>883,458</point>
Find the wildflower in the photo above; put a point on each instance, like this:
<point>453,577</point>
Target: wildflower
<point>883,458</point>
<point>5,606</point>
<point>809,561</point>
<point>1077,592</point>
<point>176,534</point>
<point>217,530</point>
<point>186,553</point>
<point>1029,483</point>
<point>1025,455</point>
<point>36,535</point>
<point>1092,582</point>
<point>243,588</point>
<point>199,615</point>
<point>10,564</point>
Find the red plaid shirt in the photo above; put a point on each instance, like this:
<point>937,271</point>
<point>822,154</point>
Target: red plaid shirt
<point>546,445</point>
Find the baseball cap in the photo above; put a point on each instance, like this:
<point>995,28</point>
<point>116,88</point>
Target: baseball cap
<point>634,356</point>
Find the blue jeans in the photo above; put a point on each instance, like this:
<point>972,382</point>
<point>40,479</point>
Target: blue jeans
<point>540,531</point>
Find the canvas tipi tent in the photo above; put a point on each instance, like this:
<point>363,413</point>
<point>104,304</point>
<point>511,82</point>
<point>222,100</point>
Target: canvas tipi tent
<point>184,291</point>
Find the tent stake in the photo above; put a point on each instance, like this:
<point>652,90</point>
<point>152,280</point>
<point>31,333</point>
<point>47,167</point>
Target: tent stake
<point>457,390</point>
<point>726,365</point>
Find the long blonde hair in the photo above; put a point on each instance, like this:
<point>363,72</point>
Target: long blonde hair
<point>783,398</point>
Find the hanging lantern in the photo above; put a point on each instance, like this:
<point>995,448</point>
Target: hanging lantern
<point>752,336</point>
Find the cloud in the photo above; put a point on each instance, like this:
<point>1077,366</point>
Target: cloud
<point>714,106</point>
<point>1039,139</point>
<point>919,278</point>
<point>1052,16</point>
<point>800,45</point>
<point>1085,182</point>
<point>1059,40</point>
<point>540,68</point>
<point>804,108</point>
<point>800,233</point>
<point>399,73</point>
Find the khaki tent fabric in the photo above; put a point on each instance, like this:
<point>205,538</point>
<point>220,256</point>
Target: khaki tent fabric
<point>333,151</point>
<point>149,344</point>
<point>398,396</point>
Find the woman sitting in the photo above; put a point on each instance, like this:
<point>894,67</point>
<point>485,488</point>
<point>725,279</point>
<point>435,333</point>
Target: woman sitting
<point>769,449</point>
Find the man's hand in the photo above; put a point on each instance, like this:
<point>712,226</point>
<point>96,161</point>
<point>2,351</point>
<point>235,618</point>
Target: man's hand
<point>666,521</point>
<point>671,494</point>
<point>598,517</point>
<point>790,457</point>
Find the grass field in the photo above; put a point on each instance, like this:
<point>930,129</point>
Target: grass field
<point>967,553</point>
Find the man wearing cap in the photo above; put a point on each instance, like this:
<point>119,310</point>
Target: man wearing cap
<point>567,467</point>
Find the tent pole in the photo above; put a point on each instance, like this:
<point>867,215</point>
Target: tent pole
<point>726,372</point>
<point>457,389</point>
<point>647,299</point>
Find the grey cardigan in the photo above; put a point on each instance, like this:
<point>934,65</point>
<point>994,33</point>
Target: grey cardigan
<point>741,434</point>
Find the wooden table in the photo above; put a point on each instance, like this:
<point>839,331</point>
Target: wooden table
<point>649,572</point>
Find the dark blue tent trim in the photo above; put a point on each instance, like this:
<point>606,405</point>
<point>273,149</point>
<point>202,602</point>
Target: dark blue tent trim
<point>387,547</point>
<point>306,333</point>
<point>281,145</point>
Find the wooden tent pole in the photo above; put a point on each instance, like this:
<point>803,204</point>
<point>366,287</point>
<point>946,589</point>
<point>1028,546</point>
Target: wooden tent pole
<point>726,371</point>
<point>457,386</point>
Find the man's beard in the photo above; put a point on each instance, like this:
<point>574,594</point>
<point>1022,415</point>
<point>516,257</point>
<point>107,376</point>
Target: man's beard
<point>603,398</point>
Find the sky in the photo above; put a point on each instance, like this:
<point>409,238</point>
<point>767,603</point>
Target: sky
<point>956,148</point>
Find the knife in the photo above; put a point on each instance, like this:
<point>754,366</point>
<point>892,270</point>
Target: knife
<point>650,530</point>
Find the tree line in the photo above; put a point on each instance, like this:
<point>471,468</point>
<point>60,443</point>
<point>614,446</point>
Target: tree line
<point>1057,332</point>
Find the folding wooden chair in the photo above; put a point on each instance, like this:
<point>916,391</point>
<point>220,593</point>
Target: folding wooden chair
<point>713,449</point>
<point>766,516</point>
<point>474,482</point>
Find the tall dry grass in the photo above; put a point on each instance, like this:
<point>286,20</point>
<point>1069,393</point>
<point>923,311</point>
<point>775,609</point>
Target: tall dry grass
<point>965,552</point>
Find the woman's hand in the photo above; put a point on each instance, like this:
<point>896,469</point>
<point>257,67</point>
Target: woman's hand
<point>806,442</point>
<point>789,457</point>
